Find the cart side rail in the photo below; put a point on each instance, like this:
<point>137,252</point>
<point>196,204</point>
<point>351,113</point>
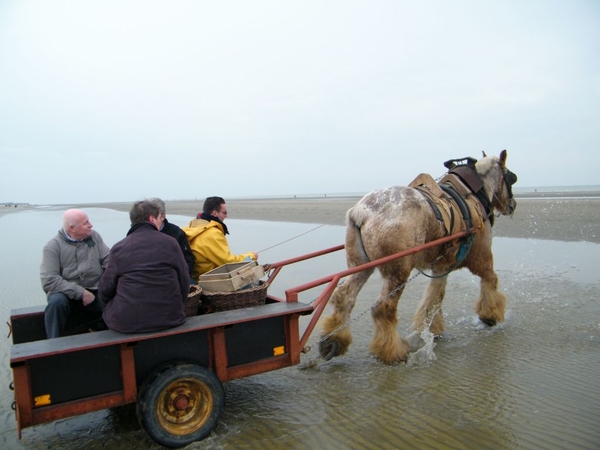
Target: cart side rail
<point>332,281</point>
<point>48,347</point>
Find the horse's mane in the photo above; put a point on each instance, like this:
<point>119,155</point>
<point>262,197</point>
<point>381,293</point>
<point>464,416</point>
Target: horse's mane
<point>485,164</point>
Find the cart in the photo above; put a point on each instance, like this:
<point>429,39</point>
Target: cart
<point>173,376</point>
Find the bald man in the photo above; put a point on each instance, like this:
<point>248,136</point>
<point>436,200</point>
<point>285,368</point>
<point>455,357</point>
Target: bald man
<point>72,263</point>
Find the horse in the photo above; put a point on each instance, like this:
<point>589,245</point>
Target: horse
<point>398,218</point>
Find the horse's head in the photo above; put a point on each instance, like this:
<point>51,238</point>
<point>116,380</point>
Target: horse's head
<point>498,181</point>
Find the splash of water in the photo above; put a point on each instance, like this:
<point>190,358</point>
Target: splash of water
<point>424,342</point>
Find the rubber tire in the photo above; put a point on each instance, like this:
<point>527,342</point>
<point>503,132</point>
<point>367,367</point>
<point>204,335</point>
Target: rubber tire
<point>200,390</point>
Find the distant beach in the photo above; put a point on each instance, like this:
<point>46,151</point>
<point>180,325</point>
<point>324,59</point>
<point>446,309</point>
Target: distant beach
<point>557,215</point>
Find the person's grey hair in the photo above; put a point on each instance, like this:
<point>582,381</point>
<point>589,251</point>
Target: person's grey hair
<point>142,210</point>
<point>161,204</point>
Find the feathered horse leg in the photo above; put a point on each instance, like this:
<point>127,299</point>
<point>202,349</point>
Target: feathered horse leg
<point>387,344</point>
<point>429,313</point>
<point>336,337</point>
<point>491,304</point>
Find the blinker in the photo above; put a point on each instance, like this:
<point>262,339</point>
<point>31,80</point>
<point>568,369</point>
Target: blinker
<point>510,177</point>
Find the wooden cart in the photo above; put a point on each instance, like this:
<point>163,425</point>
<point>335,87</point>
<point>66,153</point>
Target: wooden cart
<point>174,376</point>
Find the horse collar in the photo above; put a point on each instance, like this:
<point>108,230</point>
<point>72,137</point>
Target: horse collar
<point>469,176</point>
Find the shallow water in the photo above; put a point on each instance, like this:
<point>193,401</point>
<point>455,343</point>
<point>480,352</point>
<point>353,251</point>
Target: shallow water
<point>531,382</point>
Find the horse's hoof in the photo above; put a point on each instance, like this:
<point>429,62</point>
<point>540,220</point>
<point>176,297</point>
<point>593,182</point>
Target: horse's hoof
<point>328,349</point>
<point>488,322</point>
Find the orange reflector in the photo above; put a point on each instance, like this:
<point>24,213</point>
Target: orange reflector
<point>278,351</point>
<point>42,400</point>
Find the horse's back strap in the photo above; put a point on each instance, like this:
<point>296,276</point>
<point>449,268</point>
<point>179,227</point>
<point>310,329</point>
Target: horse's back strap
<point>436,210</point>
<point>462,205</point>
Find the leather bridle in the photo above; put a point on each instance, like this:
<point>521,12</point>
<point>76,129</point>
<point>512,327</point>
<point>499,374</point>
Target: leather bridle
<point>510,178</point>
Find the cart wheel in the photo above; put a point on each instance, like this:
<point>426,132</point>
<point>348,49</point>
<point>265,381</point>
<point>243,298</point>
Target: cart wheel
<point>180,404</point>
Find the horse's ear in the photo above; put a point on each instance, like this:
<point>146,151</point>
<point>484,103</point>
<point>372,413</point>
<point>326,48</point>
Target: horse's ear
<point>484,155</point>
<point>503,158</point>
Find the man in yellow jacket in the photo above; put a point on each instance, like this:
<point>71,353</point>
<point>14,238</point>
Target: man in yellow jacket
<point>207,237</point>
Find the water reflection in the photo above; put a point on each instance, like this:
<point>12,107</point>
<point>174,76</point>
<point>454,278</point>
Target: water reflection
<point>528,383</point>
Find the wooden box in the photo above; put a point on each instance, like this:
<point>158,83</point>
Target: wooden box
<point>231,277</point>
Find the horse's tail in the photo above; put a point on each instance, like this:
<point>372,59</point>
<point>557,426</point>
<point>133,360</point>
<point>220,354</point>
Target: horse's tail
<point>357,215</point>
<point>355,219</point>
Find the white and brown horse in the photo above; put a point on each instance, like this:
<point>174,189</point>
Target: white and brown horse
<point>391,220</point>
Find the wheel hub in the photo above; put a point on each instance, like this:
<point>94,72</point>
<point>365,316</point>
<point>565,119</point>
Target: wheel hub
<point>181,402</point>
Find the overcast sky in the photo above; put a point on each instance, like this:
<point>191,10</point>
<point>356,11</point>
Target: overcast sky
<point>122,100</point>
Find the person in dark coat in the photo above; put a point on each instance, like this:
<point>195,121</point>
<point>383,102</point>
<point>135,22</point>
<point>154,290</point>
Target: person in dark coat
<point>146,281</point>
<point>173,230</point>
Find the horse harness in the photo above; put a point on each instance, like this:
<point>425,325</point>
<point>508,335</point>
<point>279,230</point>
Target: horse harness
<point>461,189</point>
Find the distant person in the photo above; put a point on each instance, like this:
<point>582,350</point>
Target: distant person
<point>207,237</point>
<point>72,263</point>
<point>146,281</point>
<point>176,232</point>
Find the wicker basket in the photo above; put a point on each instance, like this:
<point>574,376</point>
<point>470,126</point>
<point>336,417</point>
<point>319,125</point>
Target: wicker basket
<point>192,302</point>
<point>226,301</point>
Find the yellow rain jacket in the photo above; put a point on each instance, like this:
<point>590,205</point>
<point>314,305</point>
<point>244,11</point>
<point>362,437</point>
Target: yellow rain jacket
<point>209,246</point>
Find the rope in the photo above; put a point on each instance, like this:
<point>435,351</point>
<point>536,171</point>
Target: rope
<point>301,234</point>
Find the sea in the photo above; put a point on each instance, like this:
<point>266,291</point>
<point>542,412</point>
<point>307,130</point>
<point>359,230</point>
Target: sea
<point>529,383</point>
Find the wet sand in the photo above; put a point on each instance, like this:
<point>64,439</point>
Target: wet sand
<point>526,383</point>
<point>561,216</point>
